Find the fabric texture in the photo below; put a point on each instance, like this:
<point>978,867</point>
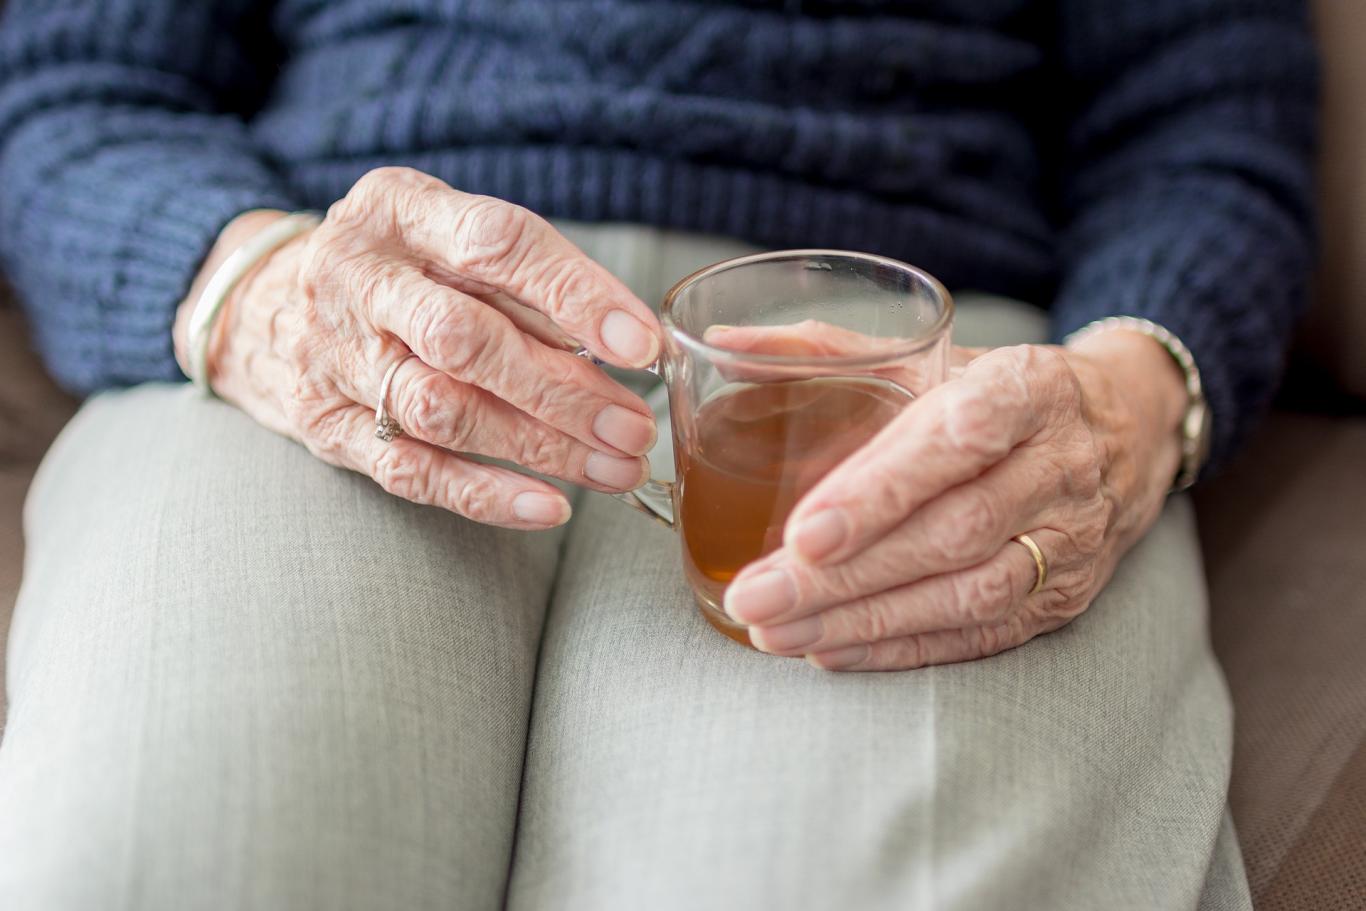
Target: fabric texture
<point>239,678</point>
<point>1149,159</point>
<point>268,684</point>
<point>1286,546</point>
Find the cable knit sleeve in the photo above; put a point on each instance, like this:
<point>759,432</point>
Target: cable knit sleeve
<point>123,152</point>
<point>1188,190</point>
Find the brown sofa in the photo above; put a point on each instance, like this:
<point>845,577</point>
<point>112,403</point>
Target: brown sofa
<point>1284,534</point>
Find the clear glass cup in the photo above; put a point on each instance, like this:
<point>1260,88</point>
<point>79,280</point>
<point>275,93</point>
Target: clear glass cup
<point>778,366</point>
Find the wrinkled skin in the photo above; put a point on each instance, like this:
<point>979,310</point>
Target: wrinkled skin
<point>901,557</point>
<point>489,297</point>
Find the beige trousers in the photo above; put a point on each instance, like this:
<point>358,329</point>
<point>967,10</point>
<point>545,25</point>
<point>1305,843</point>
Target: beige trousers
<point>242,679</point>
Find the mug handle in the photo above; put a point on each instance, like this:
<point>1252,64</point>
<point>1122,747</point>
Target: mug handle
<point>654,498</point>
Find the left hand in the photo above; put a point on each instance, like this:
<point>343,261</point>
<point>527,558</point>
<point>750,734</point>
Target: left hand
<point>902,556</point>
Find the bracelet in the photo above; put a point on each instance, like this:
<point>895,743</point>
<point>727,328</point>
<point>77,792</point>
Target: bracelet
<point>1196,423</point>
<point>225,278</point>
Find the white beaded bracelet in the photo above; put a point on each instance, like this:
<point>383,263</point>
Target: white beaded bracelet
<point>225,279</point>
<point>1195,423</point>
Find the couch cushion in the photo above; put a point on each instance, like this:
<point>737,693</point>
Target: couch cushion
<point>1285,547</point>
<point>1335,332</point>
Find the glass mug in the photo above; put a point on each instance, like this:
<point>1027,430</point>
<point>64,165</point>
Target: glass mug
<point>778,366</point>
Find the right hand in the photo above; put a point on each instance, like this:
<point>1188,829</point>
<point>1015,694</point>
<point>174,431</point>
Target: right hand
<point>490,298</point>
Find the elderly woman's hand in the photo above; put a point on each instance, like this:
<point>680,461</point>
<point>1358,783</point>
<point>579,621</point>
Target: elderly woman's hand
<point>490,298</point>
<point>902,556</point>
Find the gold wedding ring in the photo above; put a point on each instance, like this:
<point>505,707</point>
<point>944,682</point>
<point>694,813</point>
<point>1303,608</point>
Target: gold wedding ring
<point>1040,564</point>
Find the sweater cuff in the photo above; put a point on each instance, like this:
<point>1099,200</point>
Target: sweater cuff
<point>1211,271</point>
<point>161,251</point>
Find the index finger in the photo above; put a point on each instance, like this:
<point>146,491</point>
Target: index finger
<point>947,437</point>
<point>517,251</point>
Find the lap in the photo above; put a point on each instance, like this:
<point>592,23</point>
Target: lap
<point>669,767</point>
<point>239,677</point>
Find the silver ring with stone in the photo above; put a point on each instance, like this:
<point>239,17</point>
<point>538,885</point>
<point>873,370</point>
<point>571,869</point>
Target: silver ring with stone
<point>386,427</point>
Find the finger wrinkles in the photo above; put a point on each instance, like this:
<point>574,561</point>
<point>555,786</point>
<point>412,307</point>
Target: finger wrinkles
<point>959,529</point>
<point>876,621</point>
<point>986,594</point>
<point>973,529</point>
<point>439,410</point>
<point>568,287</point>
<point>457,334</point>
<point>546,388</point>
<point>491,239</point>
<point>474,494</point>
<point>549,453</point>
<point>404,469</point>
<point>973,426</point>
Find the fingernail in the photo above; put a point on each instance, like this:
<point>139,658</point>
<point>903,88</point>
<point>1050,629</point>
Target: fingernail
<point>841,658</point>
<point>787,637</point>
<point>819,535</point>
<point>625,429</point>
<point>610,471</point>
<point>760,597</point>
<point>628,338</point>
<point>540,508</point>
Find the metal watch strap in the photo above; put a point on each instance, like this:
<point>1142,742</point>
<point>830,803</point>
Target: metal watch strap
<point>1195,424</point>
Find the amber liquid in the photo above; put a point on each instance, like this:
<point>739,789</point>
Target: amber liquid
<point>757,448</point>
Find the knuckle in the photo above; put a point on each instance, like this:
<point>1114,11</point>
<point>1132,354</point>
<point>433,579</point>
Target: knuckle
<point>1078,587</point>
<point>973,532</point>
<point>381,186</point>
<point>453,336</point>
<point>1052,369</point>
<point>829,584</point>
<point>893,495</point>
<point>972,424</point>
<point>383,178</point>
<point>437,410</point>
<point>491,236</point>
<point>567,287</point>
<point>1046,361</point>
<point>474,496</point>
<point>546,452</point>
<point>987,596</point>
<point>914,652</point>
<point>562,389</point>
<point>377,191</point>
<point>402,477</point>
<point>389,473</point>
<point>985,641</point>
<point>875,619</point>
<point>542,399</point>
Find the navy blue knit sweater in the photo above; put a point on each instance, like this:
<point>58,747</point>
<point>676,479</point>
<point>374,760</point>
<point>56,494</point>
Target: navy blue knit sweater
<point>1097,156</point>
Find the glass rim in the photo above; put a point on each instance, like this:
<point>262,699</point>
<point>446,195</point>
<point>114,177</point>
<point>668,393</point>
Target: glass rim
<point>715,353</point>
